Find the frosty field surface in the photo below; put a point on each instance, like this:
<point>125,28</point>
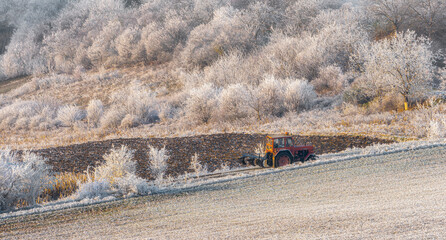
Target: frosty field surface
<point>400,195</point>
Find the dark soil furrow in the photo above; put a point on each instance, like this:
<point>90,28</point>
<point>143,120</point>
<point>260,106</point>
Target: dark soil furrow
<point>214,150</point>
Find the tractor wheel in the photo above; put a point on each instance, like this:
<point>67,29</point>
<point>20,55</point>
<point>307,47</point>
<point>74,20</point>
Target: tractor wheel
<point>264,163</point>
<point>257,162</point>
<point>250,162</point>
<point>282,159</point>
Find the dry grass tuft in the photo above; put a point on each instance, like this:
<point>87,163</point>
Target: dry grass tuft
<point>59,186</point>
<point>62,185</point>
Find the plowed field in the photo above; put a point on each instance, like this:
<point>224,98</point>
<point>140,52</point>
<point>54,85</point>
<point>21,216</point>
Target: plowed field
<point>214,150</point>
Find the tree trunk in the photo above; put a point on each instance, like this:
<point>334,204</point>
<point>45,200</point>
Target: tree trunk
<point>406,103</point>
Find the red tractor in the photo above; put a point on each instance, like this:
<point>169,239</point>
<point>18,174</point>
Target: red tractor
<point>279,151</point>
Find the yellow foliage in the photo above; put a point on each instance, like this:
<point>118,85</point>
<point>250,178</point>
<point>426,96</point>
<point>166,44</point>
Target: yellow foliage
<point>62,185</point>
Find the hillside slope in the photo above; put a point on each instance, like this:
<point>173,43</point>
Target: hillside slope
<point>399,195</point>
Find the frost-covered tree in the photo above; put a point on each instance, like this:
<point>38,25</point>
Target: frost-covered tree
<point>266,99</point>
<point>128,46</point>
<point>160,39</point>
<point>229,69</point>
<point>394,12</point>
<point>21,178</point>
<point>299,95</point>
<point>202,103</point>
<point>293,57</point>
<point>428,17</point>
<point>32,20</point>
<point>271,96</point>
<point>330,81</point>
<point>229,29</point>
<point>233,102</point>
<point>403,64</point>
<point>102,50</point>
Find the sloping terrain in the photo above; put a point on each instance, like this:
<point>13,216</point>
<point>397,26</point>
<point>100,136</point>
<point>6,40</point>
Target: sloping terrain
<point>394,196</point>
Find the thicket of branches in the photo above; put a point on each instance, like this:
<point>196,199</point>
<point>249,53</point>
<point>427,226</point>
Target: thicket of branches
<point>223,60</point>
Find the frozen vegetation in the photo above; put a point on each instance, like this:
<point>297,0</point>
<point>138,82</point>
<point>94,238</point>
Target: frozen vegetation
<point>116,178</point>
<point>131,68</point>
<point>102,69</point>
<point>105,69</point>
<point>22,178</point>
<point>387,191</point>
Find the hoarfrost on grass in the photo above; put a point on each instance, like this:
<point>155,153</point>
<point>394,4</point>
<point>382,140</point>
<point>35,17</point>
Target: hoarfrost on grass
<point>115,177</point>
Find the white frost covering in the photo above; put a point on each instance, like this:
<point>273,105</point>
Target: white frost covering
<point>184,183</point>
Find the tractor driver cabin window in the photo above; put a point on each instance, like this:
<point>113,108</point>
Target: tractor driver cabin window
<point>279,143</point>
<point>289,142</point>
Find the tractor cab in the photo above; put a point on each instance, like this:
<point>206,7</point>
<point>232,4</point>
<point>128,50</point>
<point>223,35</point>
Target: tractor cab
<point>280,151</point>
<point>278,142</point>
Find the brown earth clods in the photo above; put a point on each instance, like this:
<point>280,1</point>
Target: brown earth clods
<point>214,150</point>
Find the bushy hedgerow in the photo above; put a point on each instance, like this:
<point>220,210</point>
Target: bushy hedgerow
<point>38,114</point>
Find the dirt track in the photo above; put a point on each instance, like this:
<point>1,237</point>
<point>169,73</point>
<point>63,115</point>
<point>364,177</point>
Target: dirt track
<point>213,150</point>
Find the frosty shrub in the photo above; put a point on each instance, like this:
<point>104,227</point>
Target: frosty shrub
<point>39,114</point>
<point>135,105</point>
<point>168,110</point>
<point>202,104</point>
<point>331,81</point>
<point>118,164</point>
<point>21,178</point>
<point>93,189</point>
<point>229,69</point>
<point>129,121</point>
<point>128,47</point>
<point>116,176</point>
<point>69,115</point>
<point>197,167</point>
<point>360,92</point>
<point>41,83</point>
<point>437,128</point>
<point>158,162</point>
<point>260,149</point>
<point>292,57</point>
<point>299,95</point>
<point>228,29</point>
<point>233,104</point>
<point>160,38</point>
<point>112,118</point>
<point>271,91</point>
<point>95,110</point>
